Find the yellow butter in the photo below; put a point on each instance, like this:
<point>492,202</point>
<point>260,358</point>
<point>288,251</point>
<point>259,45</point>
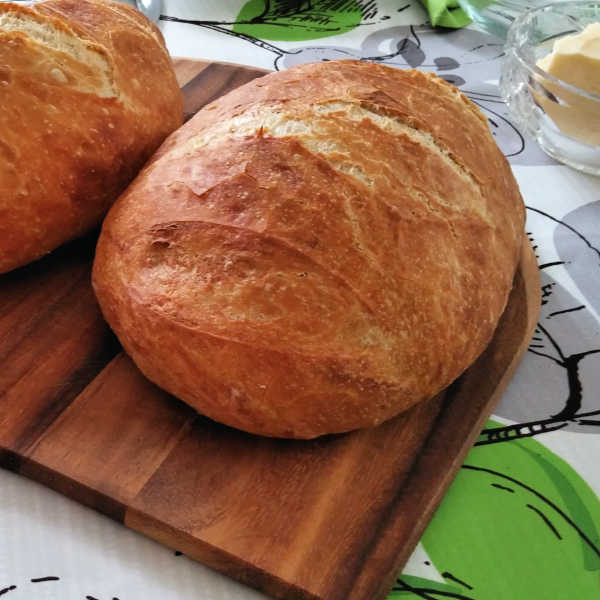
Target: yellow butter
<point>575,59</point>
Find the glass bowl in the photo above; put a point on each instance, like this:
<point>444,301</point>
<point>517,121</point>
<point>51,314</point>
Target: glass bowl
<point>564,119</point>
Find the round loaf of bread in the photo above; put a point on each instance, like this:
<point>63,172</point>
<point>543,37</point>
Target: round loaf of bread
<point>315,252</point>
<point>88,93</point>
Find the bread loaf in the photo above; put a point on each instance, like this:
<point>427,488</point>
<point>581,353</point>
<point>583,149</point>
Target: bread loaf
<point>87,93</point>
<point>315,252</point>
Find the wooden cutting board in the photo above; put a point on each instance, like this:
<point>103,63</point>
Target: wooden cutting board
<point>329,519</point>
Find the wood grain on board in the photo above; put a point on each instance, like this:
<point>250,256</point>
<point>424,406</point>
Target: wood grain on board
<point>328,519</point>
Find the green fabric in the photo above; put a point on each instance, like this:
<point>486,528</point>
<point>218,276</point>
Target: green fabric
<point>302,20</point>
<point>446,13</point>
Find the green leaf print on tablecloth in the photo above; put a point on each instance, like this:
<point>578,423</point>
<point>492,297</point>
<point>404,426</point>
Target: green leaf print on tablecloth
<point>297,20</point>
<point>517,523</point>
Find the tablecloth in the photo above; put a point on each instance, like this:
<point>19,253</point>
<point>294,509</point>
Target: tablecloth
<point>522,519</point>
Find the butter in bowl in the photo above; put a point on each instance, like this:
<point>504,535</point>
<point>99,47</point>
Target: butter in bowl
<point>551,80</point>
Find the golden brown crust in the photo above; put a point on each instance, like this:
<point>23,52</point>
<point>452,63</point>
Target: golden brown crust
<point>88,93</point>
<point>316,252</point>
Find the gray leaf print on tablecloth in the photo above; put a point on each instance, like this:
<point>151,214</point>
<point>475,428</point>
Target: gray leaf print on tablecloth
<point>557,382</point>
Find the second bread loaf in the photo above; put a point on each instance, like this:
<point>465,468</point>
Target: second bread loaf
<point>87,93</point>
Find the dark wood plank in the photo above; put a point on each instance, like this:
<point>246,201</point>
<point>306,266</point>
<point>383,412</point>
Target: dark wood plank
<point>186,70</point>
<point>280,506</point>
<point>114,436</point>
<point>212,82</point>
<point>53,341</point>
<point>329,519</point>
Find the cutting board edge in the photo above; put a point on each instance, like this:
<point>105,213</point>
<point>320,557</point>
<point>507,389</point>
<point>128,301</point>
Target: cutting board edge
<point>65,485</point>
<point>227,63</point>
<point>213,557</point>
